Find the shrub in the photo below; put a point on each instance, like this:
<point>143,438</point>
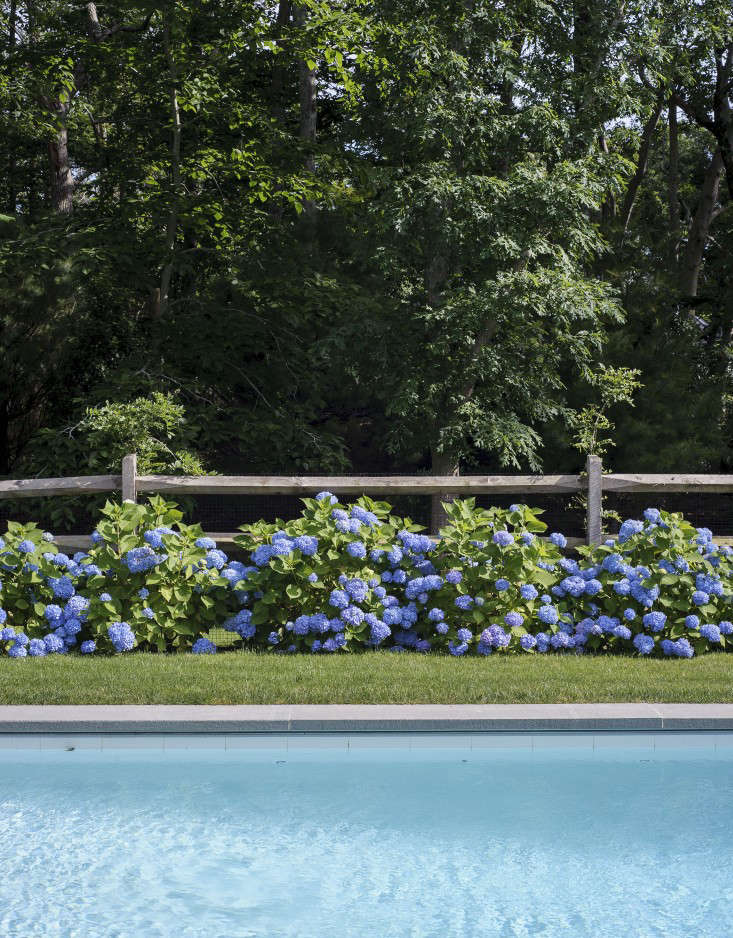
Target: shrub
<point>353,577</point>
<point>145,582</point>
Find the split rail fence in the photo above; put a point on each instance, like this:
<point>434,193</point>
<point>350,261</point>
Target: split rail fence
<point>593,483</point>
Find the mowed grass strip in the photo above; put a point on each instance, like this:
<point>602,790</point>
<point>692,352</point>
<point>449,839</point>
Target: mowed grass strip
<point>256,678</point>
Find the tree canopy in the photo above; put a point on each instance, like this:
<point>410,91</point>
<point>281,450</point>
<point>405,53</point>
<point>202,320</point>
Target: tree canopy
<point>365,235</point>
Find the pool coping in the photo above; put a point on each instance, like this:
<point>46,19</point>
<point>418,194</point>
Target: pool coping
<point>373,718</point>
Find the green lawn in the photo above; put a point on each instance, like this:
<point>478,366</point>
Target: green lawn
<point>379,677</point>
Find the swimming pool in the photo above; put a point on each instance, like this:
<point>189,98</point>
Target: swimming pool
<point>609,836</point>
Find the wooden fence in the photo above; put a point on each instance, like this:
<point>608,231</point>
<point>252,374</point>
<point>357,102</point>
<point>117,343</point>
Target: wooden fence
<point>592,484</point>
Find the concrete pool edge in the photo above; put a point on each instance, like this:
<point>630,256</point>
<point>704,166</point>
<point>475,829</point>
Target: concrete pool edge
<point>374,718</point>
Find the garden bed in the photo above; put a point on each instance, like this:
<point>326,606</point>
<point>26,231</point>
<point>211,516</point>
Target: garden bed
<point>243,677</point>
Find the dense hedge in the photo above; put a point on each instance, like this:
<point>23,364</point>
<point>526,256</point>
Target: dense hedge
<point>343,578</point>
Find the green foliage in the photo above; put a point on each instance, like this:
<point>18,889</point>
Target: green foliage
<point>614,386</point>
<point>155,428</point>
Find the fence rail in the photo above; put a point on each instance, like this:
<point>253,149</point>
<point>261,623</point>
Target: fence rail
<point>592,484</point>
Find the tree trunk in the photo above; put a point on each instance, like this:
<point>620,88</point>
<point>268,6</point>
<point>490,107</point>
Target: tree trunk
<point>171,230</point>
<point>700,228</point>
<point>723,111</point>
<point>641,164</point>
<point>62,180</point>
<point>442,464</point>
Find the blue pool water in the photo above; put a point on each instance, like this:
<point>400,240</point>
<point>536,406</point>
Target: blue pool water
<point>326,843</point>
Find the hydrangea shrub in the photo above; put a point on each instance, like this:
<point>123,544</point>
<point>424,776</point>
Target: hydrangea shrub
<point>330,579</point>
<point>148,581</point>
<point>343,578</point>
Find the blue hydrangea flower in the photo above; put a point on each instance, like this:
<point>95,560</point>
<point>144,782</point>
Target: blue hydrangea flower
<point>453,576</point>
<point>527,642</point>
<point>654,621</point>
<point>465,635</point>
<point>307,545</point>
<point>205,543</point>
<point>141,559</point>
<point>700,598</point>
<point>26,547</point>
<point>71,627</point>
<point>54,644</point>
<point>339,599</point>
<point>513,619</point>
<point>561,640</point>
<point>379,632</point>
<point>327,497</point>
<point>559,540</point>
<point>711,632</point>
<point>528,592</point>
<point>37,648</point>
<point>726,628</point>
<point>394,556</point>
<point>53,613</point>
<point>356,549</point>
<point>105,598</point>
<point>629,614</point>
<point>652,515</point>
<point>495,636</point>
<point>464,602</point>
<point>281,546</point>
<point>547,614</point>
<point>215,559</point>
<point>62,587</point>
<point>88,647</point>
<point>203,646</point>
<point>457,648</point>
<point>352,615</point>
<point>644,644</point>
<point>628,529</point>
<point>613,563</point>
<point>574,585</point>
<point>121,636</point>
<point>262,555</point>
<point>17,651</point>
<point>502,584</point>
<point>502,538</point>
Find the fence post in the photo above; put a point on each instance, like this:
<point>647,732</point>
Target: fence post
<point>129,478</point>
<point>594,468</point>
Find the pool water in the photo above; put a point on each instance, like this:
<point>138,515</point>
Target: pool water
<point>624,842</point>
